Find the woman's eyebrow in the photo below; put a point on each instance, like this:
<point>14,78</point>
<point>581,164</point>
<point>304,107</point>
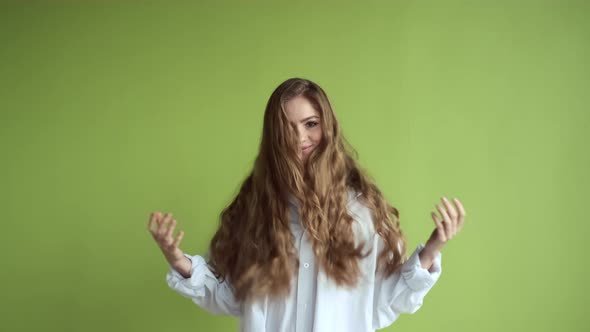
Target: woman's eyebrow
<point>310,117</point>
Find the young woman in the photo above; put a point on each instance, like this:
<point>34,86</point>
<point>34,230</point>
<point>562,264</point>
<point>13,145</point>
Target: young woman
<point>309,243</point>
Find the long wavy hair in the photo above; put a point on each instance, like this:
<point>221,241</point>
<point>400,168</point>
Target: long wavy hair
<point>254,247</point>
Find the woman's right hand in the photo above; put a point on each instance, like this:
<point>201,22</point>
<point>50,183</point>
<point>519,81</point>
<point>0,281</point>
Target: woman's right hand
<point>161,228</point>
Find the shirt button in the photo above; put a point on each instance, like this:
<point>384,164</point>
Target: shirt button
<point>306,265</point>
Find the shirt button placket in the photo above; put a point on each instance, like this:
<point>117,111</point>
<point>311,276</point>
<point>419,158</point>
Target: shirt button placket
<point>304,283</point>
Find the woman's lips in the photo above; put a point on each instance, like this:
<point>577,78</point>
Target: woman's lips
<point>307,148</point>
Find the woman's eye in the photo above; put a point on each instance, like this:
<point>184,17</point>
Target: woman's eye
<point>311,124</point>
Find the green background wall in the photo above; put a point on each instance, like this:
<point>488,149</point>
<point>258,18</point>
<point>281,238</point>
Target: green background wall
<point>111,110</point>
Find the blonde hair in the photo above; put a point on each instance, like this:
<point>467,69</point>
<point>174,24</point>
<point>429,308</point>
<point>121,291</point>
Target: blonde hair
<point>254,247</point>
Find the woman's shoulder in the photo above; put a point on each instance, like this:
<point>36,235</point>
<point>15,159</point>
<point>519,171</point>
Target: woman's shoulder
<point>355,201</point>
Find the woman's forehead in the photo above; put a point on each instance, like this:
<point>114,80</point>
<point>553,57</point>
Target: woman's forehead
<point>299,109</point>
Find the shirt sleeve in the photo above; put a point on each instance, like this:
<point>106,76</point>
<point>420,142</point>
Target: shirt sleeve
<point>204,289</point>
<point>404,290</point>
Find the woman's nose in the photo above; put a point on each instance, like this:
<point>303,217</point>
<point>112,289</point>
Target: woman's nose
<point>302,138</point>
<point>301,135</point>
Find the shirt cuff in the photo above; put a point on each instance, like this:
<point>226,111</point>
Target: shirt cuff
<point>417,277</point>
<point>192,285</point>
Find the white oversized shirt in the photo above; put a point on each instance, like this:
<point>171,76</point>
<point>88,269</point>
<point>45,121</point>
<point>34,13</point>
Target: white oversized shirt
<point>316,303</point>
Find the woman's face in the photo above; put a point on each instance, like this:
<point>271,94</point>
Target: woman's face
<point>306,119</point>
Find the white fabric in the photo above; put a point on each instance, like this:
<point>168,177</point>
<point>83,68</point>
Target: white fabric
<point>316,303</point>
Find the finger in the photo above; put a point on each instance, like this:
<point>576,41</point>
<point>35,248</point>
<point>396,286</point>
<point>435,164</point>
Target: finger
<point>164,224</point>
<point>462,213</point>
<point>450,208</point>
<point>439,226</point>
<point>154,222</point>
<point>452,213</point>
<point>447,221</point>
<point>171,229</point>
<point>179,237</point>
<point>158,216</point>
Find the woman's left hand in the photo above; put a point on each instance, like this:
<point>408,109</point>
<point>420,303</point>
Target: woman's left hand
<point>450,224</point>
<point>447,226</point>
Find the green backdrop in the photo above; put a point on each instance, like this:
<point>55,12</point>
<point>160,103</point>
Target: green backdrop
<point>111,110</point>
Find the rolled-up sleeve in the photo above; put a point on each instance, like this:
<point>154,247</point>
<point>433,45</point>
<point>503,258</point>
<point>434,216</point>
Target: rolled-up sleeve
<point>204,289</point>
<point>404,290</point>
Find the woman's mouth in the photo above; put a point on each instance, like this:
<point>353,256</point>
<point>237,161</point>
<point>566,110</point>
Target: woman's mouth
<point>307,148</point>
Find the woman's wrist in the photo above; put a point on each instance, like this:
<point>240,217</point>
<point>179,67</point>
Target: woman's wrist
<point>173,256</point>
<point>434,246</point>
<point>429,253</point>
<point>183,266</point>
